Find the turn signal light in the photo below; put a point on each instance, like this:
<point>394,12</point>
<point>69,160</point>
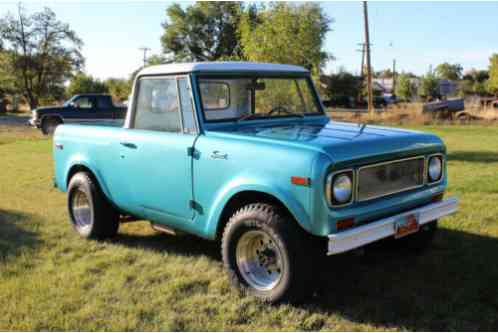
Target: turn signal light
<point>344,224</point>
<point>301,181</point>
<point>438,197</point>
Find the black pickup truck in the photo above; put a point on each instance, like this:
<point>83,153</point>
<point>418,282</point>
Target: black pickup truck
<point>85,108</point>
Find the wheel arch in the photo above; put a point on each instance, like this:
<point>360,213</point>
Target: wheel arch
<point>242,197</point>
<point>80,165</point>
<point>52,115</point>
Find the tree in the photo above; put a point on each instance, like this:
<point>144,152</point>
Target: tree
<point>286,33</point>
<point>342,84</point>
<point>384,74</point>
<point>492,82</point>
<point>6,80</point>
<point>448,71</point>
<point>43,52</point>
<point>85,84</point>
<point>405,89</point>
<point>120,89</point>
<point>205,31</point>
<point>429,86</point>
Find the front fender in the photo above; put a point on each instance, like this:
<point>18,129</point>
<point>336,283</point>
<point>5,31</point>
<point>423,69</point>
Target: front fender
<point>236,186</point>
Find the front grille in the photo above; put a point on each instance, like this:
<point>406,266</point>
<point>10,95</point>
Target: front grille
<point>382,179</point>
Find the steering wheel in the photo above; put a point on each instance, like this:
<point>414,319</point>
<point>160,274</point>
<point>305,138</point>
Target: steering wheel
<point>279,109</point>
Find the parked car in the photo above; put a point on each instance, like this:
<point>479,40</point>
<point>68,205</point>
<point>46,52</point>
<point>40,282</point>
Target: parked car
<point>85,108</point>
<point>244,153</point>
<point>447,109</point>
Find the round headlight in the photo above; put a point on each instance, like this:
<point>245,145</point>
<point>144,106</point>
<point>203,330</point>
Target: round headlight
<point>435,168</point>
<point>342,189</point>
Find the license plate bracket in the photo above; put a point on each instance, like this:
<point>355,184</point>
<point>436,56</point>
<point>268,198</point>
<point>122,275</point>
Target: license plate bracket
<point>406,225</point>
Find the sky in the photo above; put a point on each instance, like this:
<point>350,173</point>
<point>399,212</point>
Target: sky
<point>416,34</point>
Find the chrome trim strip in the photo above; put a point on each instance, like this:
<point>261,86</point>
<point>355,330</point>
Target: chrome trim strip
<point>377,230</point>
<point>391,162</point>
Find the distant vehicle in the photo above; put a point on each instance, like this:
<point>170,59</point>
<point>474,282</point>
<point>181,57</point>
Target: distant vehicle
<point>84,108</point>
<point>447,109</point>
<point>244,153</point>
<point>349,102</point>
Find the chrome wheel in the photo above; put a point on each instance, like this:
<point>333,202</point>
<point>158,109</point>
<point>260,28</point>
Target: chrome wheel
<point>82,213</point>
<point>259,260</point>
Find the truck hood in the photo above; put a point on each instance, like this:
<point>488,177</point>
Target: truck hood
<point>347,142</point>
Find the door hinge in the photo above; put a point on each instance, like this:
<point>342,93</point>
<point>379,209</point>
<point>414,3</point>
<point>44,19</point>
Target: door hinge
<point>195,206</point>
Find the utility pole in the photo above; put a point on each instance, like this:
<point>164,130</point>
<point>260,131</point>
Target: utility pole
<point>362,68</point>
<point>144,49</point>
<point>394,78</point>
<point>369,63</point>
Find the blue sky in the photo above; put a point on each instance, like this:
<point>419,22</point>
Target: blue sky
<point>417,34</point>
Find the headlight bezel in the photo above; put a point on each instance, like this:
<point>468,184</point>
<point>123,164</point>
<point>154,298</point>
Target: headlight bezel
<point>431,180</point>
<point>329,187</point>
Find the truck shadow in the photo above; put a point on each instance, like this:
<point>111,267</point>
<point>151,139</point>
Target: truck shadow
<point>473,156</point>
<point>185,245</point>
<point>451,286</point>
<point>14,237</point>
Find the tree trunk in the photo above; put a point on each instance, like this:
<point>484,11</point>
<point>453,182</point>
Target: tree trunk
<point>3,106</point>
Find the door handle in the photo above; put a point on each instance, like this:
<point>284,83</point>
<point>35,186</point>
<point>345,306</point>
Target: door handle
<point>129,145</point>
<point>218,155</point>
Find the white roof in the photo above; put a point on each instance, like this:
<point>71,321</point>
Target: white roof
<point>227,66</point>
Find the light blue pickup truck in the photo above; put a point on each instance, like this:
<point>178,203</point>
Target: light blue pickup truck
<point>245,154</point>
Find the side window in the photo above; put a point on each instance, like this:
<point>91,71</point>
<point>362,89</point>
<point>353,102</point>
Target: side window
<point>83,103</point>
<point>215,95</point>
<point>186,105</point>
<point>157,105</point>
<point>104,103</point>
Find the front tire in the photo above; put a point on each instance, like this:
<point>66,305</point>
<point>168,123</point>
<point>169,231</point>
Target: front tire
<point>265,254</point>
<point>91,215</point>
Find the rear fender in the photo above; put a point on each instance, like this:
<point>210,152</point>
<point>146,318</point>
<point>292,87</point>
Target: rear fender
<point>82,161</point>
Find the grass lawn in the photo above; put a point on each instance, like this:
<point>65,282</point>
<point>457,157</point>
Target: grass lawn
<point>50,279</point>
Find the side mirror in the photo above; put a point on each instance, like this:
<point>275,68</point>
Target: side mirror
<point>73,105</point>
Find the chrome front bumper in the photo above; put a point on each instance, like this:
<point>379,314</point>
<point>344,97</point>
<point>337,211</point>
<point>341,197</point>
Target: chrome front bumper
<point>34,122</point>
<point>383,228</point>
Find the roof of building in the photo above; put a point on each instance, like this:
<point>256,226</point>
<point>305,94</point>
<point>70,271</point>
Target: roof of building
<point>228,66</point>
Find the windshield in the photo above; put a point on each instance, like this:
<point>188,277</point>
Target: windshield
<point>247,98</point>
<point>66,103</point>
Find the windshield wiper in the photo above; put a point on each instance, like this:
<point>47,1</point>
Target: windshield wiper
<point>250,116</point>
<point>259,115</point>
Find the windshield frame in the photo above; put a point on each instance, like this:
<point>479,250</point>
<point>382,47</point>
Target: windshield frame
<point>280,75</point>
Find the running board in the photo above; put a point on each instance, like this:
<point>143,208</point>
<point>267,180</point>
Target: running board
<point>163,228</point>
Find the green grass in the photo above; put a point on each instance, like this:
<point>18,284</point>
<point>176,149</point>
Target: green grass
<point>50,279</point>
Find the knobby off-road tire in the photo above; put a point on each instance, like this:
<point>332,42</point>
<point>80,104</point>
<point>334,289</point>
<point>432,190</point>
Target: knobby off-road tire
<point>259,238</point>
<point>91,215</point>
<point>49,125</point>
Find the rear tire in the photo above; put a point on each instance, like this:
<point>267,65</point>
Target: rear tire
<point>91,215</point>
<point>267,254</point>
<point>49,125</point>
